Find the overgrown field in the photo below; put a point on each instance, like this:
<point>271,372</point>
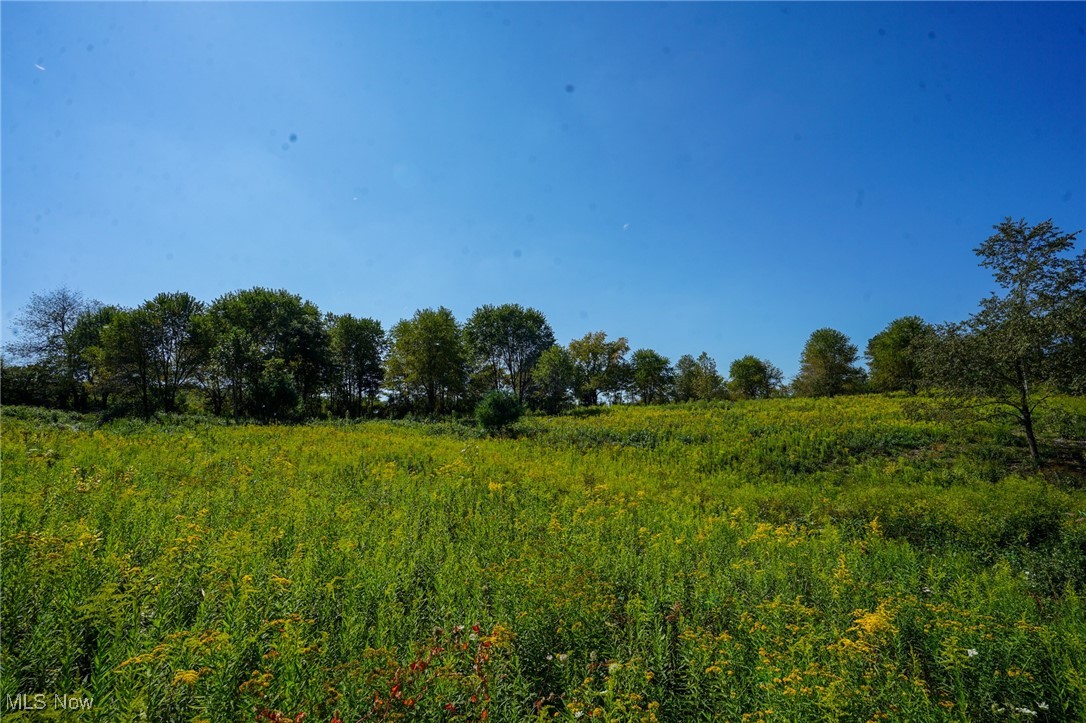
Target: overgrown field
<point>790,560</point>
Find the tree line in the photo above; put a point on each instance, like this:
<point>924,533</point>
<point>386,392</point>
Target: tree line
<point>270,355</point>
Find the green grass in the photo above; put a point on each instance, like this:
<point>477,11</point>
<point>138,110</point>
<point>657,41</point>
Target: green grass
<point>788,560</point>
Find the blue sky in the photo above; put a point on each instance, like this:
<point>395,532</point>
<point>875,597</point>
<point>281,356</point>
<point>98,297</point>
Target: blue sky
<point>717,177</point>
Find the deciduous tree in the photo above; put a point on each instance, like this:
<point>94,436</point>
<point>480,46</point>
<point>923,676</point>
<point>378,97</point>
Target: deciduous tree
<point>828,366</point>
<point>509,339</point>
<point>180,343</point>
<point>44,336</point>
<point>553,377</point>
<point>357,353</point>
<point>651,376</point>
<point>253,328</point>
<point>754,378</point>
<point>599,364</point>
<point>1021,346</point>
<point>427,360</point>
<point>893,355</point>
<point>697,379</point>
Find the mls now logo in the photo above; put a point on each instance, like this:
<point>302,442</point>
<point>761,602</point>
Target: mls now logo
<point>40,701</point>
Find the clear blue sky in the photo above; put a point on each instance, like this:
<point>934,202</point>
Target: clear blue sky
<point>695,177</point>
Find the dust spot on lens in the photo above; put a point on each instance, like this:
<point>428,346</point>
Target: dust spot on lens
<point>569,87</point>
<point>1067,196</point>
<point>931,35</point>
<point>517,253</point>
<point>293,137</point>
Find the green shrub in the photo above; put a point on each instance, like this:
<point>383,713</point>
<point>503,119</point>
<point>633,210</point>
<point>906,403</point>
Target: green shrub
<point>497,411</point>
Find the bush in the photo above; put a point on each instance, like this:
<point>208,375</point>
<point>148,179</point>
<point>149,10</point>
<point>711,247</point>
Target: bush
<point>497,411</point>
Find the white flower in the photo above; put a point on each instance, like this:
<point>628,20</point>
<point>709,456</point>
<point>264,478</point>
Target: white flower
<point>614,668</point>
<point>972,652</point>
<point>1026,711</point>
<point>1042,706</point>
<point>563,657</point>
<point>578,714</point>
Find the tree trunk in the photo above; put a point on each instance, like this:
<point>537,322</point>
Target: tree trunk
<point>1025,415</point>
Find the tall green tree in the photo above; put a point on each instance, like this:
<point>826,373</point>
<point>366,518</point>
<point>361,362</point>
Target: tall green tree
<point>357,354</point>
<point>98,380</point>
<point>828,366</point>
<point>44,336</point>
<point>553,378</point>
<point>894,355</point>
<point>509,339</point>
<point>255,327</point>
<point>697,379</point>
<point>754,378</point>
<point>651,376</point>
<point>427,361</point>
<point>600,365</point>
<point>127,344</point>
<point>180,343</point>
<point>1020,347</point>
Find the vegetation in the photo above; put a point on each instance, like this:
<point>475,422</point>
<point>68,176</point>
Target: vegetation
<point>497,411</point>
<point>736,554</point>
<point>697,379</point>
<point>507,341</point>
<point>426,369</point>
<point>799,559</point>
<point>894,355</point>
<point>1025,345</point>
<point>270,355</point>
<point>754,378</point>
<point>650,376</point>
<point>828,366</point>
<point>599,366</point>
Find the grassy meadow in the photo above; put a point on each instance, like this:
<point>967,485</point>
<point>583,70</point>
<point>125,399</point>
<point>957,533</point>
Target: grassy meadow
<point>841,559</point>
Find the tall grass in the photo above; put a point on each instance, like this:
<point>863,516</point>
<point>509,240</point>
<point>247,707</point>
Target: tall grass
<point>791,560</point>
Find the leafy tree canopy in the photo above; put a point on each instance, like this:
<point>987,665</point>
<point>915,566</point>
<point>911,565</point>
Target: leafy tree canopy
<point>427,360</point>
<point>828,366</point>
<point>754,378</point>
<point>1026,342</point>
<point>510,339</point>
<point>893,355</point>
